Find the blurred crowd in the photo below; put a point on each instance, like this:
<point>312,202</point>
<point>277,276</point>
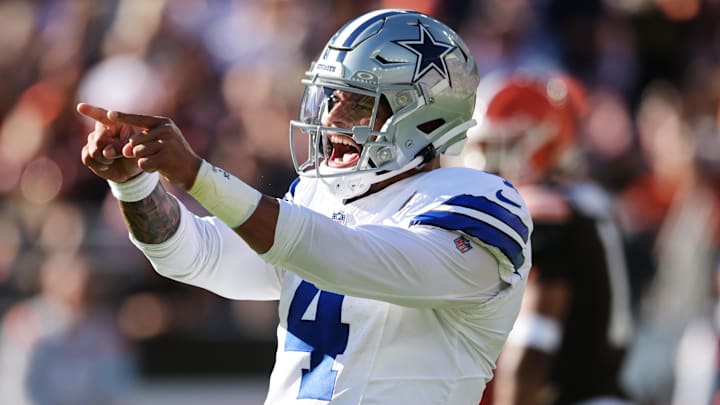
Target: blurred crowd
<point>75,295</point>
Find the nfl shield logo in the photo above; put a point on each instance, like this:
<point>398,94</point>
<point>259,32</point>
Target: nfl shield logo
<point>462,244</point>
<point>339,217</point>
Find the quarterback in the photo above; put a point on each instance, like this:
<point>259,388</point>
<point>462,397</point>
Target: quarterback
<point>398,281</point>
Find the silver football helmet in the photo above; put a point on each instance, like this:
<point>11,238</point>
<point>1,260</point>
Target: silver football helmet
<point>390,90</point>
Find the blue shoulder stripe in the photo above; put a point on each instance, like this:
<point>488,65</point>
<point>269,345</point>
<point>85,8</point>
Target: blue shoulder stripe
<point>483,231</point>
<point>483,204</point>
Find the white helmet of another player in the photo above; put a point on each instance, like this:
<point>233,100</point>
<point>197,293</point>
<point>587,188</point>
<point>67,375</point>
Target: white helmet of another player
<point>410,82</point>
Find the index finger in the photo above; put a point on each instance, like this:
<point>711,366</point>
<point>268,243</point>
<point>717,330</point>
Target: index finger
<point>96,113</point>
<point>136,120</point>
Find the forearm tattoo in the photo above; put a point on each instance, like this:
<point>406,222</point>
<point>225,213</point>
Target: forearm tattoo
<point>153,219</point>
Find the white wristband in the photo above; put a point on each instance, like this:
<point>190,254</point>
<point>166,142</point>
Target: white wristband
<point>136,188</point>
<point>536,331</point>
<point>224,195</point>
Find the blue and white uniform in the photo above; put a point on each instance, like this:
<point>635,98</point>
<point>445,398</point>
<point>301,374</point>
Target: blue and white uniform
<point>405,296</point>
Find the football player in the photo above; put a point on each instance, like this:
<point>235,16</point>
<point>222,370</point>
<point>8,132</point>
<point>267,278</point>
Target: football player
<point>568,343</point>
<point>398,281</point>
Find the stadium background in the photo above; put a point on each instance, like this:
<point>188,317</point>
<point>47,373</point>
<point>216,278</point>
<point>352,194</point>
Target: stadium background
<point>228,72</point>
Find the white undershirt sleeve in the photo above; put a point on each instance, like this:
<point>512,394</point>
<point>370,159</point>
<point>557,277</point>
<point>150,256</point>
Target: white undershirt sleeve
<point>418,267</point>
<point>206,253</point>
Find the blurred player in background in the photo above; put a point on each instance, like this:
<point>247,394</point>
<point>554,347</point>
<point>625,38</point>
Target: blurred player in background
<point>398,280</point>
<point>568,343</point>
<point>61,345</point>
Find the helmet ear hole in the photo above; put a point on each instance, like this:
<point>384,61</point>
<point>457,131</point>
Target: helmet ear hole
<point>430,126</point>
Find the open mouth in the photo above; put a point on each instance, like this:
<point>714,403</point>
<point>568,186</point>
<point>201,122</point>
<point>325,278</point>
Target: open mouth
<point>345,152</point>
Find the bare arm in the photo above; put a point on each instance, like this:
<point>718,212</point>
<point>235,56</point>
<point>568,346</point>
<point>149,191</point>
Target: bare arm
<point>259,230</point>
<point>153,219</point>
<point>523,371</point>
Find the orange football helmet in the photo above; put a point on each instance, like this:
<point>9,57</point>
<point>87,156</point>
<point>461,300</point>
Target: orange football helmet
<point>527,122</point>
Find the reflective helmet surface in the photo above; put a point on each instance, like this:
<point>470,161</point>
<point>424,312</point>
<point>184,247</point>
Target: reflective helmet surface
<point>527,122</point>
<point>417,82</point>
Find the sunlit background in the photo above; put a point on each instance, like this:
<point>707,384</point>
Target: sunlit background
<point>86,320</point>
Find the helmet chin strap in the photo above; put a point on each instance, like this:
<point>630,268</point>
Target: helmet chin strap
<point>354,185</point>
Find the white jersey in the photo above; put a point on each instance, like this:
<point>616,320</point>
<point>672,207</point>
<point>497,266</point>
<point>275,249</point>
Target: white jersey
<point>405,296</point>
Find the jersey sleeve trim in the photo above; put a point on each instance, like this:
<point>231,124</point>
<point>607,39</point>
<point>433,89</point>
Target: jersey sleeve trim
<point>483,219</point>
<point>489,207</point>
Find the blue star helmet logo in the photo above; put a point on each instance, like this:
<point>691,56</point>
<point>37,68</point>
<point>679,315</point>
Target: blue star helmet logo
<point>430,54</point>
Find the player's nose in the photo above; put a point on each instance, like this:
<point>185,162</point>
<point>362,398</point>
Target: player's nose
<point>338,119</point>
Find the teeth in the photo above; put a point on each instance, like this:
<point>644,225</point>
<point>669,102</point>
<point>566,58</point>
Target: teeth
<point>342,140</point>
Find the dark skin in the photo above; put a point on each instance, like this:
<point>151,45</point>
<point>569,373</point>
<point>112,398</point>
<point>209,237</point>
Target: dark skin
<point>522,373</point>
<point>122,146</point>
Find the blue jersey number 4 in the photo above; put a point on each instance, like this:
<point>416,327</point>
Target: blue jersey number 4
<point>323,337</point>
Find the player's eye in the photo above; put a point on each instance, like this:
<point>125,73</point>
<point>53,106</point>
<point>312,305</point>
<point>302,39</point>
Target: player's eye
<point>365,104</point>
<point>332,101</point>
